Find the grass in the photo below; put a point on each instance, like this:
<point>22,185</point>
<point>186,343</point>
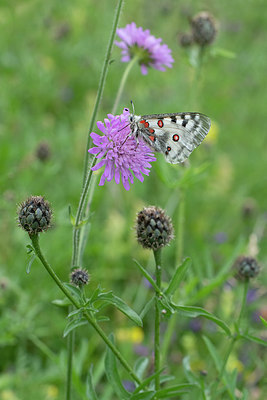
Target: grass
<point>50,63</point>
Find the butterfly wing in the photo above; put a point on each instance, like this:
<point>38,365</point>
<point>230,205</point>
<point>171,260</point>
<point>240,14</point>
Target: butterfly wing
<point>174,135</point>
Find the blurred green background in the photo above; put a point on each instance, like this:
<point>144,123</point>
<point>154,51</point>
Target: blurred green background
<point>50,62</point>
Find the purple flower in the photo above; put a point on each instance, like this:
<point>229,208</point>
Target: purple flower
<point>141,44</point>
<point>122,156</point>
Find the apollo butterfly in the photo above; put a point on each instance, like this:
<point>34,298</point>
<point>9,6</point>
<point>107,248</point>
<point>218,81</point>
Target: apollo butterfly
<point>174,135</point>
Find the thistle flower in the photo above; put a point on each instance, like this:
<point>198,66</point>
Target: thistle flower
<point>246,267</point>
<point>154,228</point>
<point>141,44</point>
<point>120,153</point>
<point>204,28</point>
<point>79,277</point>
<point>34,215</point>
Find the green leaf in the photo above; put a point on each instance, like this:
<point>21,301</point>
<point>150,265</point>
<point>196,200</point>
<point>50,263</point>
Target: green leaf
<point>219,51</point>
<point>214,354</point>
<point>122,306</point>
<point>113,375</point>
<point>263,321</point>
<point>218,364</point>
<point>31,260</point>
<point>193,312</point>
<point>178,277</point>
<point>73,325</point>
<point>149,395</point>
<point>147,307</point>
<point>90,391</point>
<point>175,390</point>
<point>71,216</point>
<point>140,366</point>
<point>62,302</point>
<point>75,291</point>
<point>165,307</point>
<point>191,377</point>
<point>147,381</point>
<point>254,339</point>
<point>147,276</point>
<point>30,249</point>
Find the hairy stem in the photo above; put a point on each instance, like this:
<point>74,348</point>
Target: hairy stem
<point>157,256</point>
<point>122,83</point>
<point>87,315</point>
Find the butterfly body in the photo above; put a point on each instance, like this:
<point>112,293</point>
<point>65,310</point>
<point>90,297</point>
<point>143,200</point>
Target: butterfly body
<point>174,135</point>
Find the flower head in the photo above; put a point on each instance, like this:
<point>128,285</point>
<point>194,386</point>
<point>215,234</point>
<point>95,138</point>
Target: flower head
<point>79,277</point>
<point>154,228</point>
<point>122,156</point>
<point>34,215</point>
<point>139,43</point>
<point>204,28</point>
<point>246,267</point>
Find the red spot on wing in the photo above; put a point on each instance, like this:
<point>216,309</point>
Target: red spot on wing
<point>143,121</point>
<point>160,123</point>
<point>175,138</point>
<point>152,138</point>
<point>146,124</point>
<point>169,148</point>
<point>151,130</point>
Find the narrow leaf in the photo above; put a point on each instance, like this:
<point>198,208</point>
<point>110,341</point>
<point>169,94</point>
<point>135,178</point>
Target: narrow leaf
<point>73,325</point>
<point>193,312</point>
<point>31,260</point>
<point>75,291</point>
<point>90,391</point>
<point>72,219</point>
<point>122,306</point>
<point>61,302</point>
<point>113,375</point>
<point>214,354</point>
<point>263,321</point>
<point>178,277</point>
<point>140,366</point>
<point>149,395</point>
<point>146,308</point>
<point>147,276</point>
<point>254,339</point>
<point>175,390</point>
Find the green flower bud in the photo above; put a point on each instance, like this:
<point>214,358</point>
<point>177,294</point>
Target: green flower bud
<point>34,215</point>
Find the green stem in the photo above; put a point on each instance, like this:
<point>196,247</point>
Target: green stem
<point>235,337</point>
<point>102,83</point>
<point>87,315</point>
<point>243,305</point>
<point>70,347</point>
<point>180,250</point>
<point>79,216</point>
<point>157,256</point>
<point>122,83</point>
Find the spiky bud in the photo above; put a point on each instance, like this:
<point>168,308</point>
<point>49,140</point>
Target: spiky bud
<point>43,151</point>
<point>186,39</point>
<point>154,228</point>
<point>79,277</point>
<point>246,267</point>
<point>203,28</point>
<point>34,215</point>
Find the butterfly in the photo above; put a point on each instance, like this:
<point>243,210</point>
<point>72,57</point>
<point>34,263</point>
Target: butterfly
<point>174,135</point>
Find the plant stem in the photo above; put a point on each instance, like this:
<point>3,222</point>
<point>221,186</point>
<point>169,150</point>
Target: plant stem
<point>243,305</point>
<point>180,249</point>
<point>122,83</point>
<point>87,315</point>
<point>70,347</point>
<point>102,83</point>
<point>157,256</point>
<point>235,337</point>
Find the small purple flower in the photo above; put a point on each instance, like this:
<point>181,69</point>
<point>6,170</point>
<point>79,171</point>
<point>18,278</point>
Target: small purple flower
<point>139,43</point>
<point>122,156</point>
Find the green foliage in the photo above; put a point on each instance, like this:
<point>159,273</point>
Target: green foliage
<point>50,61</point>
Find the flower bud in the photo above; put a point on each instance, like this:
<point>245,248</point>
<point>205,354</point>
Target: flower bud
<point>34,215</point>
<point>203,28</point>
<point>186,39</point>
<point>246,267</point>
<point>154,228</point>
<point>43,151</point>
<point>79,277</point>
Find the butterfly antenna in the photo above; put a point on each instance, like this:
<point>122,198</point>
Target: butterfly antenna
<point>132,106</point>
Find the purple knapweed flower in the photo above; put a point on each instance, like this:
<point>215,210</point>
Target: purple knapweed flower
<point>141,44</point>
<point>120,153</point>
